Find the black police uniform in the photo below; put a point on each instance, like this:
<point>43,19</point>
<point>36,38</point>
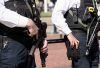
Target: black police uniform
<point>15,42</point>
<point>80,33</point>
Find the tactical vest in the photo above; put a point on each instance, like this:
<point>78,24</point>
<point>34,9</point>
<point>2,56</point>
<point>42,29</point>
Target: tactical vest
<point>77,17</point>
<point>17,33</point>
<point>20,7</point>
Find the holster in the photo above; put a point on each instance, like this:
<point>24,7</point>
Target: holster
<point>72,52</point>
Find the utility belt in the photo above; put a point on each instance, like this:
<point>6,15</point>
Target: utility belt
<point>22,38</point>
<point>18,34</point>
<point>4,30</point>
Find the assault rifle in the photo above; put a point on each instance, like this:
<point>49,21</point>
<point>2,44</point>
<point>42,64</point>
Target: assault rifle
<point>37,42</point>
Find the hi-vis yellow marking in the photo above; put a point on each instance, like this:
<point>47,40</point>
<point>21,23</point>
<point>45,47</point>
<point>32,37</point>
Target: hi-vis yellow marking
<point>90,9</point>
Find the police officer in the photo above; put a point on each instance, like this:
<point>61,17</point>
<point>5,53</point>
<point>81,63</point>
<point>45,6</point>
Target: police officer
<point>75,34</point>
<point>15,41</point>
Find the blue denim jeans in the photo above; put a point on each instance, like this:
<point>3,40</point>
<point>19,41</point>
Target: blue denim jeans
<point>84,61</point>
<point>13,54</point>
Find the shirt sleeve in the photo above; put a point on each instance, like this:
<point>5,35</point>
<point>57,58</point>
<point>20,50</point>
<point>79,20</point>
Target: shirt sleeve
<point>10,18</point>
<point>58,19</point>
<point>61,7</point>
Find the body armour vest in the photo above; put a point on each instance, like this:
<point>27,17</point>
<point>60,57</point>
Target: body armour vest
<point>20,7</point>
<point>77,17</point>
<point>17,33</point>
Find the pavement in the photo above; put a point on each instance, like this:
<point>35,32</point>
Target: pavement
<point>57,57</point>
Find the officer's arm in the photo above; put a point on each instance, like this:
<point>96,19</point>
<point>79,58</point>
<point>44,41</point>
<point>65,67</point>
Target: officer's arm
<point>61,7</point>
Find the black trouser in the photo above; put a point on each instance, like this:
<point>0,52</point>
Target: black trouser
<point>84,61</point>
<point>13,54</point>
<point>23,41</point>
